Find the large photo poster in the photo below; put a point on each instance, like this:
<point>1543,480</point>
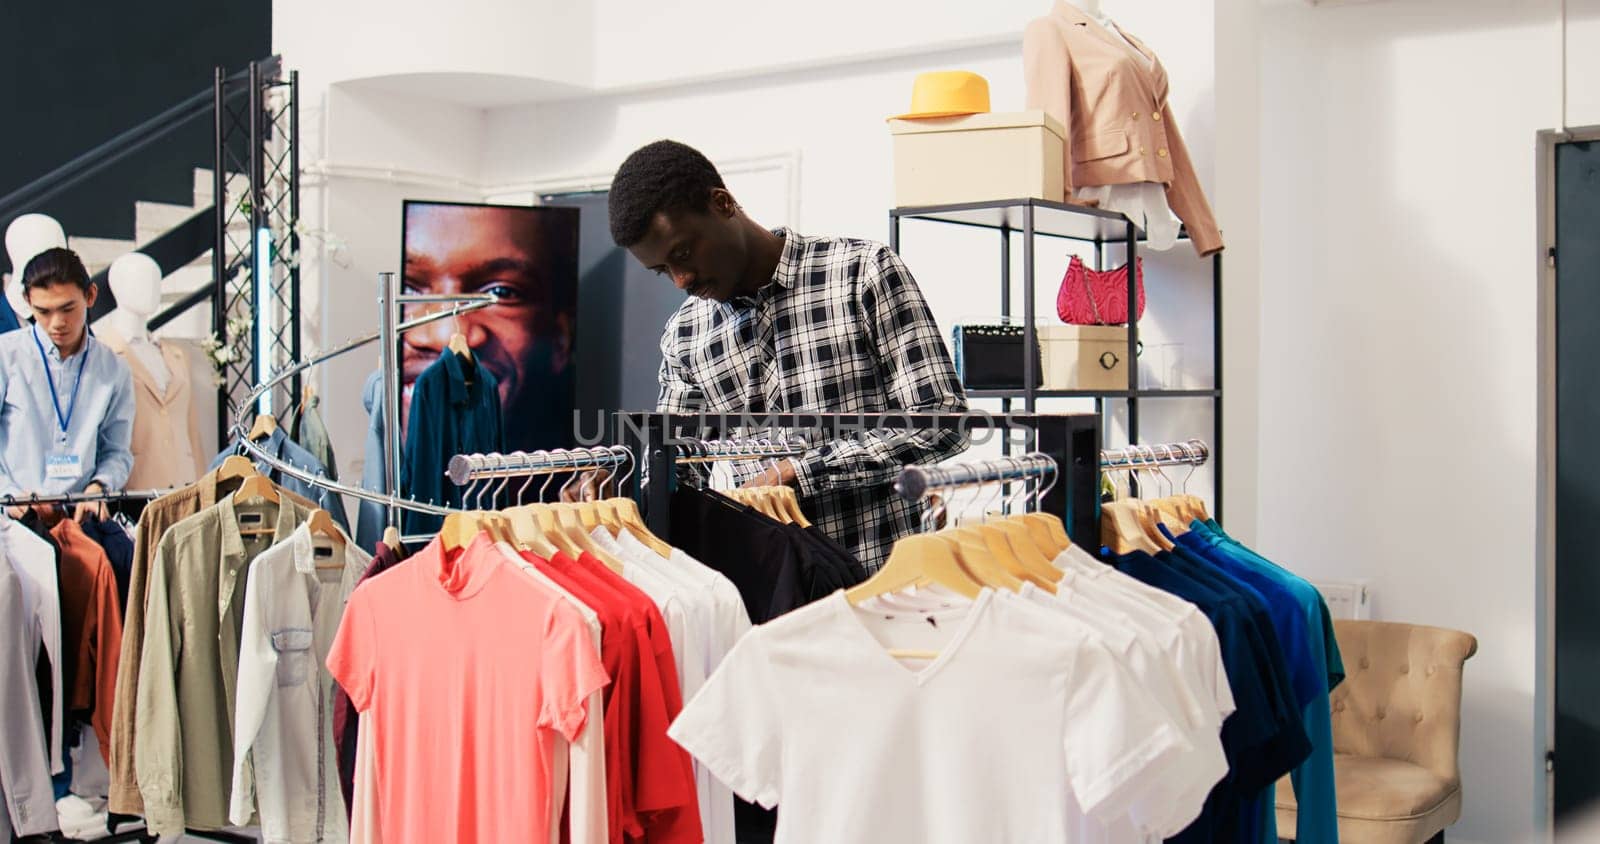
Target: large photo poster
<point>526,255</point>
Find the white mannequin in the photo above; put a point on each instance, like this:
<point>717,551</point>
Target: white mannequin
<point>136,283</point>
<point>26,237</point>
<point>1089,7</point>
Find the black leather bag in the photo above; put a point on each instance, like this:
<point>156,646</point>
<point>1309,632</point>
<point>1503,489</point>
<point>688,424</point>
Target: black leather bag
<point>989,357</point>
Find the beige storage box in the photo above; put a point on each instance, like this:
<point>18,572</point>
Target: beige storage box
<point>1084,357</point>
<point>977,158</point>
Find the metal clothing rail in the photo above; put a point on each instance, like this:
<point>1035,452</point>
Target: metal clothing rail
<point>467,468</point>
<point>389,327</point>
<point>916,482</point>
<point>390,301</point>
<point>747,448</point>
<point>1071,441</point>
<point>83,497</point>
<point>1190,453</point>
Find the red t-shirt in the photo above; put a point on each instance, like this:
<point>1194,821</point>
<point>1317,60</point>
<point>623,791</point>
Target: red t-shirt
<point>670,796</point>
<point>646,796</point>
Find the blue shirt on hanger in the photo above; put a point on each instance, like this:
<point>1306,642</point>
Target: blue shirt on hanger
<point>280,446</point>
<point>1317,819</point>
<point>372,517</point>
<point>455,409</point>
<point>1263,739</point>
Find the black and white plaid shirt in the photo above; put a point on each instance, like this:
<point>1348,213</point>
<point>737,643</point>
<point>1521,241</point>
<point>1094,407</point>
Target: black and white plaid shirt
<point>842,328</point>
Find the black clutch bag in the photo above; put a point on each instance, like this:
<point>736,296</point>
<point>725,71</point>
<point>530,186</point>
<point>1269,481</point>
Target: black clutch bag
<point>989,357</point>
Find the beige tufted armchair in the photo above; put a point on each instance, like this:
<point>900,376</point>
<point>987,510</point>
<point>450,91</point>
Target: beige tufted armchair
<point>1396,734</point>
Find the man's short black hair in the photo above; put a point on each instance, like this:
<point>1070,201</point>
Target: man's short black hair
<point>57,265</point>
<point>664,176</point>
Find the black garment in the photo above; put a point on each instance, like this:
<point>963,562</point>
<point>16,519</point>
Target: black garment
<point>1264,738</point>
<point>455,409</point>
<point>118,546</point>
<point>346,720</point>
<point>777,568</point>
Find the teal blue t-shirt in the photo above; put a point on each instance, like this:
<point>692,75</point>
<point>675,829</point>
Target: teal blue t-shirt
<point>1317,815</point>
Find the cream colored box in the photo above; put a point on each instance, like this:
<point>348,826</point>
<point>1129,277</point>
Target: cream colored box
<point>1084,357</point>
<point>977,158</point>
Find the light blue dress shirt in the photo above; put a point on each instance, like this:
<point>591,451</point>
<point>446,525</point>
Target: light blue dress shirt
<point>100,431</point>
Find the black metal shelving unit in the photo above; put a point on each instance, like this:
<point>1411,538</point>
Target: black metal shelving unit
<point>1033,218</point>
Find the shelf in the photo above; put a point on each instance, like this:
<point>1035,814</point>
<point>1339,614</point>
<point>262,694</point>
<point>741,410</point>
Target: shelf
<point>1055,219</point>
<point>1094,394</point>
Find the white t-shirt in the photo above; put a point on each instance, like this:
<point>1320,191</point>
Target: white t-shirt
<point>1196,649</point>
<point>1013,733</point>
<point>1187,781</point>
<point>715,626</point>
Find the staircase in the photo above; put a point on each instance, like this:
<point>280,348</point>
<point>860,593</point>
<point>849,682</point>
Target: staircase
<point>153,219</point>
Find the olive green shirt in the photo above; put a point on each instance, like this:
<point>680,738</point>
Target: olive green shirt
<point>194,608</point>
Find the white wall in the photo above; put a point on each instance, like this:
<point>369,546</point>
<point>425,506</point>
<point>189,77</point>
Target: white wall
<point>377,140</point>
<point>831,120</point>
<point>1398,345</point>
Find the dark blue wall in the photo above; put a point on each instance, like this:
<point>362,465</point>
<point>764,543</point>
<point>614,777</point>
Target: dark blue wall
<point>77,74</point>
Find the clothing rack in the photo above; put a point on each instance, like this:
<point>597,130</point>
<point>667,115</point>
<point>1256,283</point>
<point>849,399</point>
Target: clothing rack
<point>467,468</point>
<point>389,328</point>
<point>1071,441</point>
<point>1191,453</point>
<point>390,300</point>
<point>747,448</point>
<point>82,497</point>
<point>917,482</point>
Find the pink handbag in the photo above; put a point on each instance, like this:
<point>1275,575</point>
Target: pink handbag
<point>1097,297</point>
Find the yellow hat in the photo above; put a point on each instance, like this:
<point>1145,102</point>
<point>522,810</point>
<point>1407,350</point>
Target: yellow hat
<point>947,93</point>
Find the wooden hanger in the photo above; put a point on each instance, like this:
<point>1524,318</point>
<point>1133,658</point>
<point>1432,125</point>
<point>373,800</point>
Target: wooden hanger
<point>264,427</point>
<point>627,511</point>
<point>391,538</point>
<point>458,344</point>
<point>235,467</point>
<point>922,558</point>
<point>573,529</point>
<point>527,534</point>
<point>256,488</point>
<point>321,525</point>
<point>1028,550</point>
<point>789,500</point>
<point>539,520</point>
<point>458,531</point>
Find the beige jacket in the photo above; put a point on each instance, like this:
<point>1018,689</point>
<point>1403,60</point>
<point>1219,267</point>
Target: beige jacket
<point>166,428</point>
<point>1120,127</point>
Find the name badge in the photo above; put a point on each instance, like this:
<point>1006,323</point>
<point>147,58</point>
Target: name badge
<point>63,467</point>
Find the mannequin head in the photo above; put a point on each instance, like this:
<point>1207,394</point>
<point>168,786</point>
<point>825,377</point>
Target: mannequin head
<point>135,280</point>
<point>26,237</point>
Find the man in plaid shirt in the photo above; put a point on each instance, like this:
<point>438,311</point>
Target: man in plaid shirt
<point>777,322</point>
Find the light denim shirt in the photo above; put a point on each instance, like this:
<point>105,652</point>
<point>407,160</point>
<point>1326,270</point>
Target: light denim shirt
<point>100,431</point>
<point>280,446</point>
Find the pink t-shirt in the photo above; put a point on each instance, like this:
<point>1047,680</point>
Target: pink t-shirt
<point>469,668</point>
